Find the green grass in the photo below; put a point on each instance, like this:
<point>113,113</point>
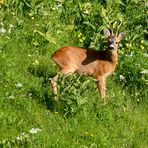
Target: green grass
<point>79,118</point>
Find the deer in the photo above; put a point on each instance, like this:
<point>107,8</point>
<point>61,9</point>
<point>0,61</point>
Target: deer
<point>96,63</point>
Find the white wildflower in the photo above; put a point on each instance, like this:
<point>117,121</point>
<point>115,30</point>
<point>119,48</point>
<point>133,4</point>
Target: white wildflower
<point>145,54</point>
<point>30,94</point>
<point>2,30</point>
<point>13,13</point>
<point>11,97</point>
<point>22,136</point>
<point>121,77</point>
<point>34,130</point>
<point>131,54</point>
<point>11,26</point>
<point>145,71</point>
<point>19,138</point>
<point>18,85</point>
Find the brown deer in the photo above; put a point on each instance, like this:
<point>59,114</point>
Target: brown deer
<point>99,64</point>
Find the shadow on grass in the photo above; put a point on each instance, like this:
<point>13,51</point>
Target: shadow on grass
<point>43,94</point>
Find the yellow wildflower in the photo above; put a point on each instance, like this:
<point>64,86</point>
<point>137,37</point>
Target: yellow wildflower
<point>2,1</point>
<point>142,41</point>
<point>142,47</point>
<point>129,45</point>
<point>36,62</point>
<point>29,55</point>
<point>88,134</point>
<point>30,14</point>
<point>80,35</point>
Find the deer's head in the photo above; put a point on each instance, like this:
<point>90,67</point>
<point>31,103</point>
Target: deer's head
<point>113,39</point>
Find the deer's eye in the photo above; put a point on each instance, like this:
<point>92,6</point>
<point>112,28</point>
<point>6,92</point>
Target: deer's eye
<point>116,42</point>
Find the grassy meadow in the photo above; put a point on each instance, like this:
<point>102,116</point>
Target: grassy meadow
<point>30,31</point>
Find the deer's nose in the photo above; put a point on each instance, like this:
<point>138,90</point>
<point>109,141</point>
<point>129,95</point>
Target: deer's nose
<point>111,46</point>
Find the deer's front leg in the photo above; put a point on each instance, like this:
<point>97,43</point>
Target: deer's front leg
<point>102,87</point>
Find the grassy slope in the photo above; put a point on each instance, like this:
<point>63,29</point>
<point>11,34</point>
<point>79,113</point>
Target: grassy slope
<point>121,123</point>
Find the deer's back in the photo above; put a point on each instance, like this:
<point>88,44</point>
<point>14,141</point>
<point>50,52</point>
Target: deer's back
<point>84,61</point>
<point>69,55</point>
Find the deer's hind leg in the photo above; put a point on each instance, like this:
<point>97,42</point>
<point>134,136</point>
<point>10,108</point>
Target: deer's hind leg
<point>63,71</point>
<point>54,84</point>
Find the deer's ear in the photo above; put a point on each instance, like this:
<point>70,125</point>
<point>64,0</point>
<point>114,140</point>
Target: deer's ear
<point>106,32</point>
<point>121,35</point>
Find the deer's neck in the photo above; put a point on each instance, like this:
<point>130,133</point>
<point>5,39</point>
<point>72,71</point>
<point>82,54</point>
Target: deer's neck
<point>114,56</point>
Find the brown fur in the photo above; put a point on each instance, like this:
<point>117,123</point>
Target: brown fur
<point>99,64</point>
